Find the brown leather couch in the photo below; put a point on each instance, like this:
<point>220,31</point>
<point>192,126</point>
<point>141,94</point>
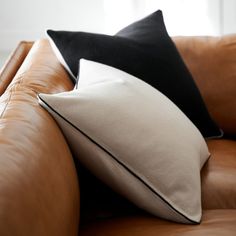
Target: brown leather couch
<point>39,183</point>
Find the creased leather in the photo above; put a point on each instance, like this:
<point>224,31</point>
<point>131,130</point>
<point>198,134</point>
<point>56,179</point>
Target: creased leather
<point>38,181</point>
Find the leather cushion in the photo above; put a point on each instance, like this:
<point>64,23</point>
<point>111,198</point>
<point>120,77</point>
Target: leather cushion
<point>219,175</point>
<point>212,62</point>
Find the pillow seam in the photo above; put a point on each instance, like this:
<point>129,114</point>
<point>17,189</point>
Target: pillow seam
<point>122,164</point>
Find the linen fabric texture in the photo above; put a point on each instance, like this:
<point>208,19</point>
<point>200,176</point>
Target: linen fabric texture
<point>134,139</point>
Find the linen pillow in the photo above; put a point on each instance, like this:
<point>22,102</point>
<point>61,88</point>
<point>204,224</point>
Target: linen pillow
<point>145,50</point>
<point>134,139</point>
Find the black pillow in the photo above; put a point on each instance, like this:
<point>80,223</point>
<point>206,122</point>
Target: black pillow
<point>145,50</point>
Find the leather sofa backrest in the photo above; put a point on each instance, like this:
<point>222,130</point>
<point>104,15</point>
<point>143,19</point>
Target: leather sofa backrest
<point>212,62</point>
<point>13,63</point>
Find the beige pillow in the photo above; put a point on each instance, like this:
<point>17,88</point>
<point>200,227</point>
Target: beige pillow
<point>134,139</point>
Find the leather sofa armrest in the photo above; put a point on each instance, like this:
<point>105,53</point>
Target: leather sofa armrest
<point>38,180</point>
<point>13,63</point>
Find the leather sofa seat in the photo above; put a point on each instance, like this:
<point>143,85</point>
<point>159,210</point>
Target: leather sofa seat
<point>214,222</point>
<point>219,176</point>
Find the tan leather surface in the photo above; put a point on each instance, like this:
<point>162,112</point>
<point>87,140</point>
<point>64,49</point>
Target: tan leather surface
<point>14,61</point>
<point>214,223</point>
<point>38,181</point>
<point>212,62</point>
<point>219,175</point>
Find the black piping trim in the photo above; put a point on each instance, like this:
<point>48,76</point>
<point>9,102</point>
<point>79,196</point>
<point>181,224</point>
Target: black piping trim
<point>122,164</point>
